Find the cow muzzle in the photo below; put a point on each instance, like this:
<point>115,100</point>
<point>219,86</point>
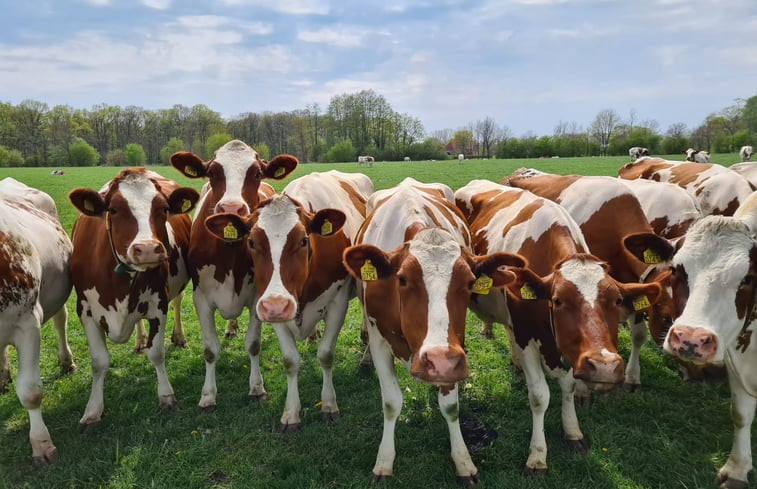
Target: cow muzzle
<point>276,309</point>
<point>232,207</point>
<point>146,254</point>
<point>600,370</point>
<point>440,365</point>
<point>696,345</point>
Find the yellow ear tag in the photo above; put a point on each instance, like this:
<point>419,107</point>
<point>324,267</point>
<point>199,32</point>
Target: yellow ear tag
<point>326,228</point>
<point>279,171</point>
<point>651,256</point>
<point>188,170</point>
<point>185,205</point>
<point>527,293</point>
<point>368,272</point>
<point>88,205</point>
<point>640,303</point>
<point>230,232</point>
<point>483,285</point>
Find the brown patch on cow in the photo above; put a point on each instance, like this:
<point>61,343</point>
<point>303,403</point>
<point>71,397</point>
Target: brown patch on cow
<point>547,186</point>
<point>327,261</point>
<point>17,284</point>
<point>684,174</point>
<point>730,209</point>
<point>104,324</point>
<point>646,168</point>
<point>358,201</point>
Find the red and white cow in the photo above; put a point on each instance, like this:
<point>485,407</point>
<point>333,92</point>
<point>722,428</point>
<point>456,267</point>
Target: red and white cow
<point>296,241</point>
<point>561,312</point>
<point>34,266</point>
<point>747,170</point>
<point>617,231</point>
<point>714,277</point>
<point>637,152</point>
<point>127,264</point>
<point>415,276</point>
<point>745,153</point>
<point>717,189</point>
<point>697,155</point>
<point>365,161</point>
<point>222,271</point>
<point>460,158</point>
<point>670,209</point>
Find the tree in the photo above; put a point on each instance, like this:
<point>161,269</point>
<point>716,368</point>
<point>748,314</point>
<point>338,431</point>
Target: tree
<point>463,141</point>
<point>115,157</point>
<point>82,154</point>
<point>174,145</point>
<point>10,157</point>
<point>134,155</point>
<point>486,131</point>
<point>215,141</point>
<point>603,127</point>
<point>263,150</point>
<point>342,151</point>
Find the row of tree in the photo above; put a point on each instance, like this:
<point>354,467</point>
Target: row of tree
<point>33,134</point>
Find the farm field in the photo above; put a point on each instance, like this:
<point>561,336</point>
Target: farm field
<point>669,434</point>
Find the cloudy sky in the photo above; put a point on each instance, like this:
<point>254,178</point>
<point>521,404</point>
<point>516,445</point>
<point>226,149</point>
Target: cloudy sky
<point>528,64</point>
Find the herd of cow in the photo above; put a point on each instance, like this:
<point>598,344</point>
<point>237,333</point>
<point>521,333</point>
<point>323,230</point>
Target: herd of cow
<point>560,261</point>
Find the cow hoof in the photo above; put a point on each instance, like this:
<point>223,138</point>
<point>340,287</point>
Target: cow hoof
<point>467,480</point>
<point>487,333</point>
<point>631,387</point>
<point>46,459</point>
<point>330,417</point>
<point>67,369</point>
<point>168,404</point>
<point>89,427</point>
<point>258,397</point>
<point>379,477</point>
<point>534,472</point>
<point>207,409</point>
<point>179,342</point>
<point>289,428</point>
<point>733,484</point>
<point>366,365</point>
<point>140,349</point>
<point>578,446</point>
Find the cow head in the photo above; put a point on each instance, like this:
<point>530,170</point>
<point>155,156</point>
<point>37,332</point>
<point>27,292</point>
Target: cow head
<point>428,282</point>
<point>135,206</point>
<point>585,306</point>
<point>281,236</point>
<point>234,174</point>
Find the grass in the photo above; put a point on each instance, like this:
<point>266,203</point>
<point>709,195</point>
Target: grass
<point>670,434</point>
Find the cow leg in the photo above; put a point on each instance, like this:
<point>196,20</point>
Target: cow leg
<point>570,427</point>
<point>633,370</point>
<point>366,361</point>
<point>65,357</point>
<point>334,320</point>
<point>29,391</point>
<point>140,337</point>
<point>538,399</point>
<point>515,351</point>
<point>232,329</point>
<point>734,474</point>
<point>100,360</point>
<point>5,371</point>
<point>252,343</point>
<point>391,400</point>
<point>290,419</point>
<point>211,351</point>
<point>157,356</point>
<point>467,473</point>
<point>487,329</point>
<point>177,335</point>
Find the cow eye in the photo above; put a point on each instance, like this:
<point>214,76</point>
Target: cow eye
<point>251,244</point>
<point>470,284</point>
<point>746,281</point>
<point>305,241</point>
<point>556,302</point>
<point>618,301</point>
<point>112,210</point>
<point>402,280</point>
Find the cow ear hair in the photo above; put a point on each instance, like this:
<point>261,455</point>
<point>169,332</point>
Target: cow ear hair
<point>183,200</point>
<point>189,164</point>
<point>327,222</point>
<point>529,286</point>
<point>367,262</point>
<point>639,297</point>
<point>227,227</point>
<point>87,201</point>
<point>492,266</point>
<point>649,248</point>
<point>279,167</point>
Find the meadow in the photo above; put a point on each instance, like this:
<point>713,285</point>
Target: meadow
<point>670,434</point>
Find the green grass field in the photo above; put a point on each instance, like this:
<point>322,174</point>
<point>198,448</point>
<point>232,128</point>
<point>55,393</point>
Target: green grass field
<point>671,434</point>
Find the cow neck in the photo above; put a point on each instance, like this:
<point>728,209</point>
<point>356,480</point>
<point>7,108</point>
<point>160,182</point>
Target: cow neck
<point>744,339</point>
<point>563,361</point>
<point>122,268</point>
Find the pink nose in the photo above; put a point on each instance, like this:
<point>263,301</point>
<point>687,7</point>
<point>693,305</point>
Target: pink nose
<point>440,365</point>
<point>275,309</point>
<point>238,208</point>
<point>601,369</point>
<point>147,252</point>
<point>693,344</point>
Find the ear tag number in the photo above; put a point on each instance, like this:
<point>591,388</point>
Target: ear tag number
<point>188,170</point>
<point>640,303</point>
<point>651,256</point>
<point>483,285</point>
<point>230,232</point>
<point>527,293</point>
<point>185,205</point>
<point>279,172</point>
<point>368,272</point>
<point>326,228</point>
<point>89,206</point>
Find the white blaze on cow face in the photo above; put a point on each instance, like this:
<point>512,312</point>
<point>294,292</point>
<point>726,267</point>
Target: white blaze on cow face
<point>585,276</point>
<point>236,162</point>
<point>145,250</point>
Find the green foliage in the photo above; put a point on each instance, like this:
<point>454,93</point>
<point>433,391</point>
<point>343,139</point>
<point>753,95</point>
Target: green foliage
<point>463,141</point>
<point>343,151</point>
<point>10,157</point>
<point>429,149</point>
<point>82,154</point>
<point>215,141</point>
<point>58,155</point>
<point>135,155</point>
<point>674,145</point>
<point>115,157</point>
<point>263,150</point>
<point>318,151</point>
<point>174,145</point>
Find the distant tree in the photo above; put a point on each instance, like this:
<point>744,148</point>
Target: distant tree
<point>463,141</point>
<point>749,115</point>
<point>603,127</point>
<point>343,151</point>
<point>82,154</point>
<point>10,157</point>
<point>430,149</point>
<point>135,155</point>
<point>318,151</point>
<point>263,150</point>
<point>115,157</point>
<point>174,145</point>
<point>486,133</point>
<point>215,141</point>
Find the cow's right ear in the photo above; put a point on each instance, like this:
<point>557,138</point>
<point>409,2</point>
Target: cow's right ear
<point>183,200</point>
<point>189,164</point>
<point>280,167</point>
<point>649,248</point>
<point>489,270</point>
<point>87,201</point>
<point>528,286</point>
<point>227,227</point>
<point>367,263</point>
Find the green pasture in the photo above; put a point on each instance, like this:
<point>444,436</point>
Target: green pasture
<point>670,434</point>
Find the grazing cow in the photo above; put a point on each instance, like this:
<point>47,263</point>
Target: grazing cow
<point>697,155</point>
<point>714,276</point>
<point>617,231</point>
<point>34,266</point>
<point>637,152</point>
<point>745,153</point>
<point>561,313</point>
<point>296,241</point>
<point>406,159</point>
<point>56,172</point>
<point>365,161</point>
<point>415,276</point>
<point>127,264</point>
<point>460,158</point>
<point>221,271</point>
<point>717,189</point>
<point>670,209</point>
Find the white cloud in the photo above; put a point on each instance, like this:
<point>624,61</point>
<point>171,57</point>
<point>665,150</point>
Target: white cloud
<point>343,37</point>
<point>98,3</point>
<point>157,4</point>
<point>297,7</point>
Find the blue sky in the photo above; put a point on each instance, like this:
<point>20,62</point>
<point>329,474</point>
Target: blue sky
<point>528,64</point>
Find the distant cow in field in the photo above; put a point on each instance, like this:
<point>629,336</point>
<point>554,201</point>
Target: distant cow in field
<point>697,155</point>
<point>460,158</point>
<point>365,161</point>
<point>745,153</point>
<point>406,159</point>
<point>638,152</point>
<point>56,172</point>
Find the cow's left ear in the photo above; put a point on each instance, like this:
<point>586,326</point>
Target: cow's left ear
<point>528,286</point>
<point>279,167</point>
<point>87,201</point>
<point>327,222</point>
<point>367,263</point>
<point>489,270</point>
<point>228,227</point>
<point>182,200</point>
<point>649,248</point>
<point>639,297</point>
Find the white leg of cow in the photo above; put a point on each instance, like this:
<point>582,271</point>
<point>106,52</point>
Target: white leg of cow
<point>100,360</point>
<point>538,399</point>
<point>65,357</point>
<point>157,356</point>
<point>177,335</point>
<point>252,343</point>
<point>734,474</point>
<point>140,337</point>
<point>467,473</point>
<point>29,391</point>
<point>5,371</point>
<point>391,400</point>
<point>211,351</point>
<point>334,320</point>
<point>633,370</point>
<point>290,419</point>
<point>570,427</point>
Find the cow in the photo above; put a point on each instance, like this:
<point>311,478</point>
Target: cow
<point>618,232</point>
<point>415,274</point>
<point>460,158</point>
<point>670,209</point>
<point>714,277</point>
<point>561,312</point>
<point>56,172</point>
<point>745,153</point>
<point>221,271</point>
<point>365,161</point>
<point>406,159</point>
<point>637,152</point>
<point>717,189</point>
<point>127,264</point>
<point>296,241</point>
<point>35,253</point>
<point>697,155</point>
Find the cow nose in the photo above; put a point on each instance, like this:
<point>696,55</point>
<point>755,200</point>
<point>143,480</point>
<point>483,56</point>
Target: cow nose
<point>693,344</point>
<point>147,253</point>
<point>600,369</point>
<point>276,309</point>
<point>238,208</point>
<point>441,365</point>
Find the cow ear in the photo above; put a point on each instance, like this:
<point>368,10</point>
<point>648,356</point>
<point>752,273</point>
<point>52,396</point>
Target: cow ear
<point>367,263</point>
<point>489,270</point>
<point>639,297</point>
<point>189,164</point>
<point>280,167</point>
<point>649,248</point>
<point>327,222</point>
<point>87,201</point>
<point>228,227</point>
<point>528,286</point>
<point>182,200</point>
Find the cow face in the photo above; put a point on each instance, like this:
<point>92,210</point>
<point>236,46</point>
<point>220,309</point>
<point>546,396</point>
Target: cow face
<point>585,305</point>
<point>234,174</point>
<point>135,208</point>
<point>714,276</point>
<point>427,282</point>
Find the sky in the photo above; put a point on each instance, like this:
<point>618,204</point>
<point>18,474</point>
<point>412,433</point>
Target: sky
<point>528,64</point>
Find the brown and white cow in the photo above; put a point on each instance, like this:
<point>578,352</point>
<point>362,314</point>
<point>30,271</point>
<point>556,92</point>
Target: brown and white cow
<point>697,155</point>
<point>415,276</point>
<point>745,153</point>
<point>637,152</point>
<point>714,278</point>
<point>717,189</point>
<point>221,271</point>
<point>670,209</point>
<point>618,232</point>
<point>34,266</point>
<point>127,265</point>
